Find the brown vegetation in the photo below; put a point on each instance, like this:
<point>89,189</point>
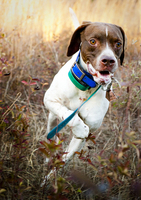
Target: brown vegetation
<point>33,43</point>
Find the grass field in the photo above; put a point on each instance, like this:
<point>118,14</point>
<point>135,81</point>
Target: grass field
<point>34,36</point>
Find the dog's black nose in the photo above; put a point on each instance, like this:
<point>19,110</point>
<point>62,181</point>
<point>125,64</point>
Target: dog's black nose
<point>107,61</point>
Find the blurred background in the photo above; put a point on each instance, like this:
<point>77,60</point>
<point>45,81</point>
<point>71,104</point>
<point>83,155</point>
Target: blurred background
<point>49,18</point>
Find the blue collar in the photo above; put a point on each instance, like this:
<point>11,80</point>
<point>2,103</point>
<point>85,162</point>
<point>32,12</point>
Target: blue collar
<point>81,78</point>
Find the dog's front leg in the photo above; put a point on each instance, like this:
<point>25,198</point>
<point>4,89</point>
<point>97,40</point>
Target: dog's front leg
<point>54,104</point>
<point>75,145</point>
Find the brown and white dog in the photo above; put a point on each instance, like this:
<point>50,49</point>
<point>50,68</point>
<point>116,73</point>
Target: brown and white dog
<point>101,47</point>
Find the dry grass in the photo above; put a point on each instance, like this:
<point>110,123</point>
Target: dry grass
<point>33,40</point>
<point>39,20</point>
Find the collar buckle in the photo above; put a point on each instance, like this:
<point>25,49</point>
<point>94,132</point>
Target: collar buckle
<point>75,74</point>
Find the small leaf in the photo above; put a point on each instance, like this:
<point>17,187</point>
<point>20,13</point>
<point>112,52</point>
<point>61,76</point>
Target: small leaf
<point>79,190</point>
<point>21,109</point>
<point>59,162</point>
<point>19,117</point>
<point>32,89</point>
<point>99,158</point>
<point>120,155</point>
<point>28,188</point>
<point>45,84</point>
<point>44,152</point>
<point>21,183</point>
<point>89,161</point>
<point>125,146</point>
<point>93,141</point>
<point>111,159</point>
<point>45,144</point>
<point>35,79</point>
<point>2,35</point>
<point>110,174</point>
<point>138,153</point>
<point>12,114</point>
<point>25,83</point>
<point>120,169</point>
<point>137,141</point>
<point>109,180</point>
<point>2,190</point>
<point>91,138</point>
<point>131,133</point>
<point>125,149</point>
<point>76,152</point>
<point>123,170</point>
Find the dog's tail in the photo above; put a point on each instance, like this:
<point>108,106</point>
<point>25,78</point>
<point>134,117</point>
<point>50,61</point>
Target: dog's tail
<point>74,18</point>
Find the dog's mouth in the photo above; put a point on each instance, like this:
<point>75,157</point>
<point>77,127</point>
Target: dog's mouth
<point>104,73</point>
<point>101,77</point>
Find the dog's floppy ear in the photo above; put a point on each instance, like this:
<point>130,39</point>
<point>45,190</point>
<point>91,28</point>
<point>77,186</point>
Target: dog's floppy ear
<point>124,45</point>
<point>76,39</point>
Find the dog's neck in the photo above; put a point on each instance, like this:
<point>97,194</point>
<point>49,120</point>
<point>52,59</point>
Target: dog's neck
<point>82,63</point>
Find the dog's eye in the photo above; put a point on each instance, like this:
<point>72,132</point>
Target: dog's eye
<point>92,41</point>
<point>118,44</point>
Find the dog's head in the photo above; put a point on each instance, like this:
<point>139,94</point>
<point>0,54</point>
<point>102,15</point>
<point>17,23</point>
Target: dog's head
<point>102,48</point>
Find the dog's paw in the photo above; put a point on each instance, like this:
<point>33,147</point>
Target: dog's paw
<point>48,177</point>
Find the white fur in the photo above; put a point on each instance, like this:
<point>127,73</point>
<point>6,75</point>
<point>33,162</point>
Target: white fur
<point>63,97</point>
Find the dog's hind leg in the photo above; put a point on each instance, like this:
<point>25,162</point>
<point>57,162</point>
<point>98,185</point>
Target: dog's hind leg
<point>52,122</point>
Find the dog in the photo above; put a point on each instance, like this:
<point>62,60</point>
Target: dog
<point>97,50</point>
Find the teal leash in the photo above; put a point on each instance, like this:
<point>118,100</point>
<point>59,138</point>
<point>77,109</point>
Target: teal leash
<point>59,127</point>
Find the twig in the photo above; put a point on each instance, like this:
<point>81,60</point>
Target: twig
<point>9,109</point>
<point>127,112</point>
